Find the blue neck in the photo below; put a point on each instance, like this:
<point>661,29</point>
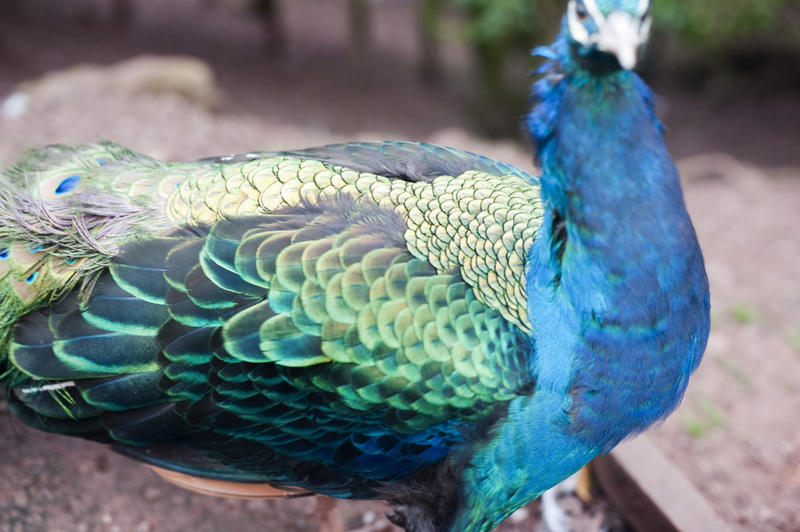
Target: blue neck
<point>625,279</point>
<point>618,295</point>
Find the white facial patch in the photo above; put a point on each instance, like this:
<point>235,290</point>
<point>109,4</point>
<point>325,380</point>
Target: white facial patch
<point>594,11</point>
<point>619,33</point>
<point>576,27</point>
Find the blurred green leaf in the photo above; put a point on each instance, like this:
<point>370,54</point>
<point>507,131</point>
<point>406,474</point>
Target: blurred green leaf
<point>718,23</point>
<point>712,413</point>
<point>498,21</point>
<point>698,33</point>
<point>744,313</point>
<point>710,416</point>
<point>794,338</point>
<point>696,428</point>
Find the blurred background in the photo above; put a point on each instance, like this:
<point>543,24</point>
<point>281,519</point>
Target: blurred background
<point>182,79</point>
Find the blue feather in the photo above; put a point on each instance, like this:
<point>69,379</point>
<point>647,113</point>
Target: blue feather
<point>68,185</point>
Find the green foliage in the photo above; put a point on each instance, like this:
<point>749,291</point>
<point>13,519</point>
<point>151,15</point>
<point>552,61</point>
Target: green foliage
<point>497,31</point>
<point>718,23</point>
<point>704,31</point>
<point>710,416</point>
<point>694,427</point>
<point>713,415</point>
<point>794,338</point>
<point>709,24</point>
<point>499,22</point>
<point>744,313</point>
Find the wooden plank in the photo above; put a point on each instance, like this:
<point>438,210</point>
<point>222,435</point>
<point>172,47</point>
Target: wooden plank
<point>653,494</point>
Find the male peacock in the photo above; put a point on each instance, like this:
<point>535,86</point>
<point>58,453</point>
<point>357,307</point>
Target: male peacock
<point>394,320</point>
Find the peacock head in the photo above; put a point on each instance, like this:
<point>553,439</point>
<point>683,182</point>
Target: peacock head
<point>606,35</point>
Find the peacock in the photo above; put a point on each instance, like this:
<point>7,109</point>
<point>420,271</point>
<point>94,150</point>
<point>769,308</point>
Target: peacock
<point>393,320</point>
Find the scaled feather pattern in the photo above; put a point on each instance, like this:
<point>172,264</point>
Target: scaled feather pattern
<point>390,320</point>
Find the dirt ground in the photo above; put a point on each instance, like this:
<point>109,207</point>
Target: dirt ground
<point>737,434</point>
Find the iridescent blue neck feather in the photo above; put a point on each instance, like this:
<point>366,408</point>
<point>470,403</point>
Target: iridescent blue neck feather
<point>622,253</point>
<point>617,290</point>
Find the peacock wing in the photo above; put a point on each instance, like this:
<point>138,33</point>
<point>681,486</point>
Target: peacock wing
<point>306,347</point>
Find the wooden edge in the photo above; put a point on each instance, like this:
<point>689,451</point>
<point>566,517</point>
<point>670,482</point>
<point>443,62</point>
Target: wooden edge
<point>652,493</point>
<point>223,488</point>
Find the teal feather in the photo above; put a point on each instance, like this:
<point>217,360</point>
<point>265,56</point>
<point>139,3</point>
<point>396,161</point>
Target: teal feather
<point>123,392</point>
<point>146,280</point>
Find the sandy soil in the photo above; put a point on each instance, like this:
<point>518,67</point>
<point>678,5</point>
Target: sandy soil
<point>737,435</point>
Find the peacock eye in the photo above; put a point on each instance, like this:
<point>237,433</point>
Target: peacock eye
<point>580,12</point>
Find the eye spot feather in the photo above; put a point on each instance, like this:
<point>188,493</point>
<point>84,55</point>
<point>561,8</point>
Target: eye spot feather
<point>68,184</point>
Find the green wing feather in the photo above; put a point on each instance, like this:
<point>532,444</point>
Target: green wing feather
<point>338,323</point>
<point>318,335</point>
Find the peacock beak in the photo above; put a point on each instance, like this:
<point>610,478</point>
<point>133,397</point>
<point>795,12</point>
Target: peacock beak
<point>621,35</point>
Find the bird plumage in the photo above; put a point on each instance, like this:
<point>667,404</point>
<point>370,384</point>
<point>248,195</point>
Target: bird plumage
<point>396,320</point>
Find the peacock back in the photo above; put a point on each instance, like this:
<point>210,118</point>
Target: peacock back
<point>352,309</point>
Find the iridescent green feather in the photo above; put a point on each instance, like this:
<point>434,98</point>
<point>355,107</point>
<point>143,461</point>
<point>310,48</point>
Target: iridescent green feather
<point>249,324</point>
